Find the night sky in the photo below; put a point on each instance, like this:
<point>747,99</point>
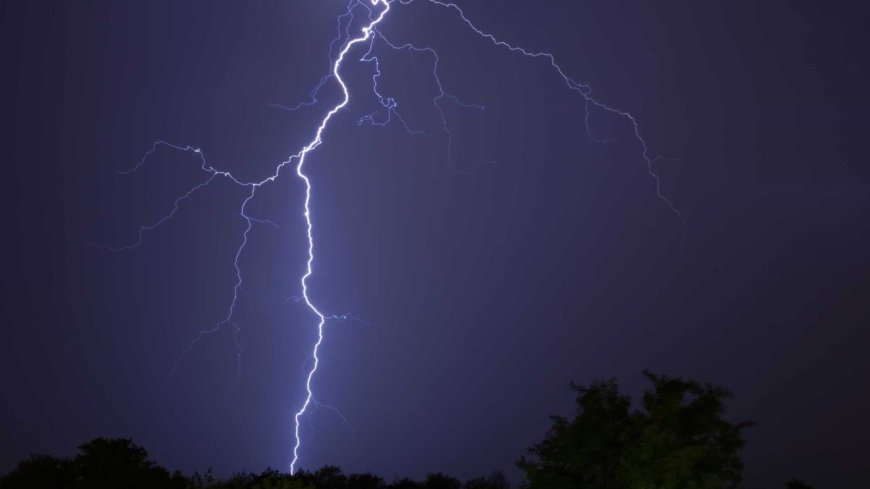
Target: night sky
<point>485,284</point>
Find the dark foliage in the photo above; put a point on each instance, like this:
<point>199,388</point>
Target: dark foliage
<point>406,484</point>
<point>109,464</point>
<point>119,464</point>
<point>678,440</point>
<point>101,464</point>
<point>496,480</point>
<point>441,481</point>
<point>41,471</point>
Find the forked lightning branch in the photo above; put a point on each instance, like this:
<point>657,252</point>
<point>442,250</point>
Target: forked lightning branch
<point>357,34</point>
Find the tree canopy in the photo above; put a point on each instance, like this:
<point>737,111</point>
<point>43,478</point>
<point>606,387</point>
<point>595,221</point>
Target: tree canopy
<point>100,464</point>
<point>678,439</point>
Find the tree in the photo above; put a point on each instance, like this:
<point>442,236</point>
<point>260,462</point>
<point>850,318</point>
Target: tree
<point>365,481</point>
<point>441,481</point>
<point>588,451</point>
<point>40,471</point>
<point>330,477</point>
<point>112,463</point>
<point>683,441</point>
<point>101,464</point>
<point>496,480</point>
<point>678,440</point>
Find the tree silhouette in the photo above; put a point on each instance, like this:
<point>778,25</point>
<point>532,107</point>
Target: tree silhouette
<point>589,451</point>
<point>496,480</point>
<point>441,481</point>
<point>365,481</point>
<point>330,477</point>
<point>678,440</point>
<point>41,471</point>
<point>101,464</point>
<point>112,463</point>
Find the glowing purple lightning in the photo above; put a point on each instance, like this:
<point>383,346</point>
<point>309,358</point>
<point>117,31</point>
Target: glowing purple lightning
<point>390,105</point>
<point>367,33</point>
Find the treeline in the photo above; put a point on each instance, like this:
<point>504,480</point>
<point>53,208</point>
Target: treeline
<point>676,439</point>
<point>331,477</point>
<point>120,464</point>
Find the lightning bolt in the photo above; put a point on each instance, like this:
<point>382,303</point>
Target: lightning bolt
<point>366,33</point>
<point>377,12</point>
<point>390,105</point>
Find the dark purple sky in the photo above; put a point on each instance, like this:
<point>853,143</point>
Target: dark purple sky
<point>491,289</point>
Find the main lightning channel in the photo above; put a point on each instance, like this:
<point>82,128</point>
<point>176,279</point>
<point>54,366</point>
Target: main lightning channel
<point>212,173</point>
<point>345,39</point>
<point>321,318</point>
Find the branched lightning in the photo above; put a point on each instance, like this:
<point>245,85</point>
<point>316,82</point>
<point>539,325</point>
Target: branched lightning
<point>390,104</point>
<point>585,91</point>
<point>346,39</point>
<point>366,33</point>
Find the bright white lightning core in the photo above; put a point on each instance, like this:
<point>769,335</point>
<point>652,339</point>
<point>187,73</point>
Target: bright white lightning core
<point>377,11</point>
<point>366,33</point>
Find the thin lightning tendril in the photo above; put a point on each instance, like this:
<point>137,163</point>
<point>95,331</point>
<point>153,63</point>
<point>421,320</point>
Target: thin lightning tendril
<point>377,11</point>
<point>585,91</point>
